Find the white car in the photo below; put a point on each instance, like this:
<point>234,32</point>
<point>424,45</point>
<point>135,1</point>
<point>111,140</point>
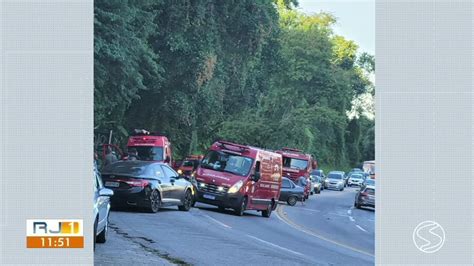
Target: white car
<point>101,209</point>
<point>335,180</point>
<point>355,179</point>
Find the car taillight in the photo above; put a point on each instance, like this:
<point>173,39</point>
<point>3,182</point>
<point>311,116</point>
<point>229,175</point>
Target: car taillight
<point>138,183</point>
<point>364,194</point>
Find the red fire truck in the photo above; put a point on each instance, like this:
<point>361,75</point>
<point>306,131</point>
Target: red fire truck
<point>296,164</point>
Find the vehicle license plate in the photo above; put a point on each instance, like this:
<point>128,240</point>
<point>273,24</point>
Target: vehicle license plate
<point>112,184</point>
<point>207,196</point>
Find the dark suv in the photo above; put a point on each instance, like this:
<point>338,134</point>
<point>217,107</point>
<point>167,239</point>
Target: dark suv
<point>365,197</point>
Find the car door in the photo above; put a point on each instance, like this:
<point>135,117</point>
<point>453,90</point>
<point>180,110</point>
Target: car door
<point>164,182</point>
<point>285,189</point>
<point>177,184</point>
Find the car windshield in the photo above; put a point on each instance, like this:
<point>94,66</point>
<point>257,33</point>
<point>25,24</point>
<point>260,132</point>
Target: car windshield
<point>370,182</point>
<point>357,177</point>
<point>189,163</point>
<point>370,191</point>
<point>316,173</point>
<point>225,162</point>
<point>149,153</point>
<point>295,163</point>
<point>335,176</point>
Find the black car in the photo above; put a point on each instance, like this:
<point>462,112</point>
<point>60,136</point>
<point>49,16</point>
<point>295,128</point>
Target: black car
<point>290,192</point>
<point>321,174</point>
<point>147,184</point>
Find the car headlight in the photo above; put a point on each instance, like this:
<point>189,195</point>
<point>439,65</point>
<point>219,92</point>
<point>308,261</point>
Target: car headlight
<point>180,171</point>
<point>236,187</point>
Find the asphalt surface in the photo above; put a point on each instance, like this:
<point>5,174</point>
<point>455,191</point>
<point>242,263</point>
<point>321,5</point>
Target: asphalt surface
<point>325,230</point>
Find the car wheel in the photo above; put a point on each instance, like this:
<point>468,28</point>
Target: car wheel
<point>319,191</point>
<point>292,200</point>
<point>342,189</point>
<point>221,209</point>
<point>243,205</point>
<point>266,213</point>
<point>155,201</point>
<point>357,205</point>
<point>188,201</point>
<point>312,192</point>
<point>102,237</point>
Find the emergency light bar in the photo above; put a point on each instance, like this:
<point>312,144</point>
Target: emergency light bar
<point>232,152</point>
<point>229,145</point>
<point>291,149</point>
<point>143,132</point>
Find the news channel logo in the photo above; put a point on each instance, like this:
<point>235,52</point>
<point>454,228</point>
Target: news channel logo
<point>429,236</point>
<point>54,233</point>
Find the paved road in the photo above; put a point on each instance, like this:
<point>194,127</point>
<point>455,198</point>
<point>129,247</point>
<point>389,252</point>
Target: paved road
<point>323,231</point>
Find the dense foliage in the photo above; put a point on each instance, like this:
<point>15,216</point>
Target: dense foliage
<point>255,72</point>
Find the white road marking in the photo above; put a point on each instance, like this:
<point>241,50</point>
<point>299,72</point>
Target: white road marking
<point>276,246</point>
<point>349,211</point>
<point>351,218</point>
<point>216,221</point>
<point>358,226</point>
<point>281,216</point>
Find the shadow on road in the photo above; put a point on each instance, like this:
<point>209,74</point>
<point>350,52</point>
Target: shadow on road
<point>142,210</point>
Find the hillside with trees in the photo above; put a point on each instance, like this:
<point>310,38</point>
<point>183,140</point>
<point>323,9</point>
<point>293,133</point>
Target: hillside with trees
<point>254,72</point>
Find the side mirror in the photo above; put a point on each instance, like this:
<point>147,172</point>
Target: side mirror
<point>167,160</point>
<point>106,192</point>
<point>256,176</point>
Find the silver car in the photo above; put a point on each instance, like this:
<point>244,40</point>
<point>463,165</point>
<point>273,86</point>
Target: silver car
<point>101,209</point>
<point>335,180</point>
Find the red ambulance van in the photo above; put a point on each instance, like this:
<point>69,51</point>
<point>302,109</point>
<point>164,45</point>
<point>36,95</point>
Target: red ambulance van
<point>240,177</point>
<point>151,146</point>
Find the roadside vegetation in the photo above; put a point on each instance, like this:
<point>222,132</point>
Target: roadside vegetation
<point>254,72</point>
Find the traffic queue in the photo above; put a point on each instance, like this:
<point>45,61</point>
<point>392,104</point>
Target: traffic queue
<point>229,176</point>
